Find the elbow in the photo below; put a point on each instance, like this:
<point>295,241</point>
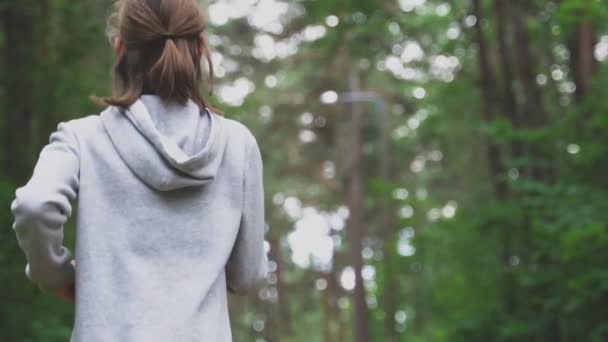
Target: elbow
<point>240,289</point>
<point>243,287</point>
<point>39,230</point>
<point>26,209</point>
<point>29,210</point>
<point>248,281</point>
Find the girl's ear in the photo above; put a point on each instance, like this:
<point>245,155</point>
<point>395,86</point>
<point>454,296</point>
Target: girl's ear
<point>118,45</point>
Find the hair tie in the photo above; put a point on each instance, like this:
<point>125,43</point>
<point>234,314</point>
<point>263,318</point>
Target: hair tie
<point>169,36</point>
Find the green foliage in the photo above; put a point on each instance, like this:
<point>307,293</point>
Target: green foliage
<point>456,258</point>
<point>572,12</point>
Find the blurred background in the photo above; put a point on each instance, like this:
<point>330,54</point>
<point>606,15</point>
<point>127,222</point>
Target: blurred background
<point>436,170</point>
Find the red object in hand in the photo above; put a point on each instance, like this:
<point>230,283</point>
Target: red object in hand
<point>68,293</point>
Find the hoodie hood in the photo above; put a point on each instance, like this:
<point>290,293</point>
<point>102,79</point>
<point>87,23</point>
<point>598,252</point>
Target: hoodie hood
<point>167,146</point>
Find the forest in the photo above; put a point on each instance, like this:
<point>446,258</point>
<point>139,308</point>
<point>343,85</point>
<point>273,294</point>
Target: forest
<point>435,170</point>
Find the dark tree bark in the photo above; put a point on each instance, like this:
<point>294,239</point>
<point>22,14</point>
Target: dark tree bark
<point>283,316</point>
<point>583,64</point>
<point>511,111</point>
<point>584,68</point>
<point>18,21</point>
<point>534,113</point>
<point>271,325</point>
<point>47,121</point>
<point>504,56</point>
<point>535,117</point>
<point>489,102</point>
<point>328,308</point>
<point>355,205</point>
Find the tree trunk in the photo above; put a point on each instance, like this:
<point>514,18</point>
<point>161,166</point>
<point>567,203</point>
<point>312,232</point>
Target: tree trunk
<point>271,326</point>
<point>584,67</point>
<point>535,115</point>
<point>582,59</point>
<point>535,118</point>
<point>284,317</point>
<point>504,53</point>
<point>355,204</point>
<point>517,148</point>
<point>47,121</point>
<point>488,105</point>
<point>509,106</point>
<point>18,20</point>
<point>328,310</point>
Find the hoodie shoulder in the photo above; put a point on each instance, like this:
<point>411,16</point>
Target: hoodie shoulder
<point>82,129</point>
<point>84,126</point>
<point>239,132</point>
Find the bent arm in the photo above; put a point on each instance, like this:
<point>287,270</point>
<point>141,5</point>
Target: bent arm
<point>248,263</point>
<point>42,207</point>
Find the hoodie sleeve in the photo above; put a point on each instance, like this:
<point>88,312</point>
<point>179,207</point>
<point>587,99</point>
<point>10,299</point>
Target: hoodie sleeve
<point>248,263</point>
<point>42,207</point>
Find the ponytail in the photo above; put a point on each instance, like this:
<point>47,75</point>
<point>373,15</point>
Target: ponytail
<point>163,48</point>
<point>174,73</point>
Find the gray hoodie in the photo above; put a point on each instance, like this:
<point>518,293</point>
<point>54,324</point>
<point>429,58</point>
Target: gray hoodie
<point>170,216</point>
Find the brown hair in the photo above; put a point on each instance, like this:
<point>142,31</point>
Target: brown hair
<point>163,45</point>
